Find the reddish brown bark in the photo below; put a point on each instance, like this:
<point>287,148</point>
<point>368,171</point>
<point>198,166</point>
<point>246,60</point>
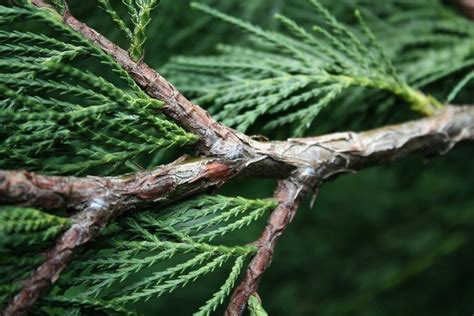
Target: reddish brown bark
<point>87,225</point>
<point>99,201</point>
<point>214,138</point>
<point>305,163</point>
<point>288,194</point>
<point>303,160</point>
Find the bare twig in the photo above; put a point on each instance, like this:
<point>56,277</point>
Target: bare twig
<point>289,194</point>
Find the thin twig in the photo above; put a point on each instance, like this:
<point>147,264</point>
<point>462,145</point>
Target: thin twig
<point>289,193</point>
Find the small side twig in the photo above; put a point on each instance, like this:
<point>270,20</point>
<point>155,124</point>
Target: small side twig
<point>289,194</point>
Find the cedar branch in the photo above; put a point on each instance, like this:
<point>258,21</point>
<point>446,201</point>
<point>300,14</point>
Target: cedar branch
<point>321,158</point>
<point>214,139</point>
<point>99,201</point>
<point>230,153</point>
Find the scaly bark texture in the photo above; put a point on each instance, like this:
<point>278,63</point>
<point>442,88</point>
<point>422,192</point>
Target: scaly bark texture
<point>181,178</point>
<point>87,225</point>
<point>304,164</point>
<point>214,138</point>
<point>288,194</point>
<point>307,161</point>
<point>99,201</point>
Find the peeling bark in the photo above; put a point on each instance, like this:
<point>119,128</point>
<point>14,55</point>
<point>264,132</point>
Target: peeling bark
<point>304,163</point>
<point>307,161</point>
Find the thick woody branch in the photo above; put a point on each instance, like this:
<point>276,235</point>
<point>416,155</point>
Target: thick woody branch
<point>181,178</point>
<point>325,156</point>
<point>307,161</point>
<point>100,200</point>
<point>289,194</point>
<point>304,162</point>
<point>334,154</point>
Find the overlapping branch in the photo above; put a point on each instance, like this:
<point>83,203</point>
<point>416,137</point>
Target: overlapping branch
<point>304,163</point>
<point>99,200</point>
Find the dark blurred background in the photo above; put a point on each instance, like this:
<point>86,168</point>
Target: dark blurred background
<point>392,240</point>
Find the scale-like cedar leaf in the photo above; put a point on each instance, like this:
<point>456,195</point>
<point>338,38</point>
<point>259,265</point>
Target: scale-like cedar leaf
<point>59,115</point>
<point>170,248</point>
<point>289,78</point>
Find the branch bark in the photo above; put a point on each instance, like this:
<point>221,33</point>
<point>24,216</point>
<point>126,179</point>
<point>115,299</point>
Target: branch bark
<point>99,201</point>
<point>289,194</point>
<point>214,139</point>
<point>185,176</point>
<point>326,156</point>
<point>303,160</point>
<point>87,225</point>
<point>305,163</point>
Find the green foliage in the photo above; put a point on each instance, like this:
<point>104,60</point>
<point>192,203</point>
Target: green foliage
<point>24,232</point>
<point>427,33</point>
<point>66,107</point>
<point>59,5</point>
<point>191,32</point>
<point>460,85</point>
<point>140,15</point>
<point>166,249</point>
<point>255,307</point>
<point>290,79</point>
<point>218,297</point>
<point>107,8</point>
<point>26,226</point>
<point>59,117</point>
